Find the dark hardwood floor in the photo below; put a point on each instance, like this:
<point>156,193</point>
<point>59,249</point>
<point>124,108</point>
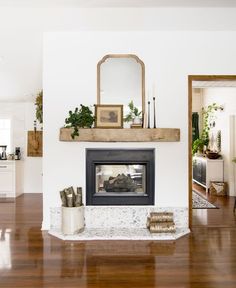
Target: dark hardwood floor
<point>31,258</point>
<point>222,217</point>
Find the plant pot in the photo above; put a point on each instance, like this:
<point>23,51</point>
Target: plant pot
<point>137,120</point>
<point>72,220</point>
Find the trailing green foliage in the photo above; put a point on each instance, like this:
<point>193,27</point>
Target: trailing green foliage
<point>198,144</point>
<point>133,113</point>
<point>82,118</point>
<point>209,117</point>
<point>39,107</point>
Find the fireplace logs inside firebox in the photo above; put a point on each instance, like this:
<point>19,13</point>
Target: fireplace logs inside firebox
<point>120,183</point>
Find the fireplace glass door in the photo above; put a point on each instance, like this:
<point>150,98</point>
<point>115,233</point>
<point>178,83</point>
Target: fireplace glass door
<point>120,180</point>
<point>120,176</point>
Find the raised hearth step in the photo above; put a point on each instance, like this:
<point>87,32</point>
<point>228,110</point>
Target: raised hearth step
<point>120,234</point>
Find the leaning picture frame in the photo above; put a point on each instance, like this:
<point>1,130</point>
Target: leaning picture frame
<point>108,116</point>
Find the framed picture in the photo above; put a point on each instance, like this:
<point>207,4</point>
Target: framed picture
<point>109,116</point>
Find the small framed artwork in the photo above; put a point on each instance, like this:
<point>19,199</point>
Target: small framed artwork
<point>109,116</point>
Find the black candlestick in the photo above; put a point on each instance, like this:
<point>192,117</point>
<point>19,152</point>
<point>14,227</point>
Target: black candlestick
<point>154,113</point>
<point>148,114</point>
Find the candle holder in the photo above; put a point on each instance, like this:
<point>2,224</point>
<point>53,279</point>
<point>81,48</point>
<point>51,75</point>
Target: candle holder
<point>148,126</point>
<point>154,113</point>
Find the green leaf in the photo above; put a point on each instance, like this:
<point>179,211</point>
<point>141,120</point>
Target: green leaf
<point>80,118</point>
<point>133,113</point>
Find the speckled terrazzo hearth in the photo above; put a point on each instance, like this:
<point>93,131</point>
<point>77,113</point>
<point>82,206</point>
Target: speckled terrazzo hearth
<point>120,223</point>
<point>120,234</point>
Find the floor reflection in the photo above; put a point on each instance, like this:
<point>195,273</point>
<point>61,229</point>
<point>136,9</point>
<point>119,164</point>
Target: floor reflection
<point>5,249</point>
<point>31,258</point>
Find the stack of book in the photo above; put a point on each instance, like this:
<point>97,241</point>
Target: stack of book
<point>161,222</point>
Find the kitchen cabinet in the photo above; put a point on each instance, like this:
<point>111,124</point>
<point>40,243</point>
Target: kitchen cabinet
<point>11,178</point>
<point>206,170</point>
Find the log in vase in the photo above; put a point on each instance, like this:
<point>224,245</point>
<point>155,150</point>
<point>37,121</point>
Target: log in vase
<point>72,212</point>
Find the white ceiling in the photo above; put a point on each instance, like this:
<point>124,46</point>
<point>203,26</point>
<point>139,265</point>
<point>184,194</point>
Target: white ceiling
<point>22,26</point>
<point>119,3</point>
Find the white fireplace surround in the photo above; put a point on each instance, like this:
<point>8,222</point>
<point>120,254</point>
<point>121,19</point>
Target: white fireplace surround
<point>120,222</point>
<point>65,89</point>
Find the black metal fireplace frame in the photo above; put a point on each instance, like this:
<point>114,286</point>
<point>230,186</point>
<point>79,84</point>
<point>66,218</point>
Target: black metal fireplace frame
<point>120,156</point>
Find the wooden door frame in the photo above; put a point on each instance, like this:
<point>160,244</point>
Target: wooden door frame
<point>192,78</point>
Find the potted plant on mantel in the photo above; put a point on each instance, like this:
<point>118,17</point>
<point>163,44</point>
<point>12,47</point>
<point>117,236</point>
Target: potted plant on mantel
<point>80,118</point>
<point>134,115</point>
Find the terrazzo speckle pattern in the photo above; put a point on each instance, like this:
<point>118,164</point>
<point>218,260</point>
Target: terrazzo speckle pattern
<point>120,234</point>
<point>131,217</point>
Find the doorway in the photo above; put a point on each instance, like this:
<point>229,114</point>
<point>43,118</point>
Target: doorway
<point>208,81</point>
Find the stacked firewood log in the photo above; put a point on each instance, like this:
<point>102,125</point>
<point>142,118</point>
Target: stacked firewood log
<point>161,222</point>
<point>71,199</point>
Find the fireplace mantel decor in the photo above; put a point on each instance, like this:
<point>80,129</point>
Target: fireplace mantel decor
<point>122,135</point>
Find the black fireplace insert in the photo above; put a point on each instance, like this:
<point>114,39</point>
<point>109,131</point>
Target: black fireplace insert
<point>120,176</point>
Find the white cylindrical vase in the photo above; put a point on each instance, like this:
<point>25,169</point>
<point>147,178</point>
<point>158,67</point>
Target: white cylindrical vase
<point>72,220</point>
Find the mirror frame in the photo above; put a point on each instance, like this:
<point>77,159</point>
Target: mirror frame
<point>121,56</point>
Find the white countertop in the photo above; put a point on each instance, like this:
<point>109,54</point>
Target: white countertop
<point>9,161</point>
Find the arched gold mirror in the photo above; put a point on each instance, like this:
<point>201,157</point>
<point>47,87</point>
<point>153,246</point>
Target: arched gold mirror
<point>121,79</point>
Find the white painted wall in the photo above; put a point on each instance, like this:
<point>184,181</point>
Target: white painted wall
<point>227,98</point>
<point>33,165</point>
<point>22,115</point>
<point>22,28</point>
<point>69,78</point>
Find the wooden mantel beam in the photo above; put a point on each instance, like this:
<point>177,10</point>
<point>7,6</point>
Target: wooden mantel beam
<point>122,135</point>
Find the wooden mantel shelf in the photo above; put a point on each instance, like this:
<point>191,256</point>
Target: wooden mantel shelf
<point>122,135</point>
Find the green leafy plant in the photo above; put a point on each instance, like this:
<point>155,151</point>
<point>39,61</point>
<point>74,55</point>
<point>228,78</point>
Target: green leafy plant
<point>39,107</point>
<point>198,145</point>
<point>234,160</point>
<point>133,113</point>
<point>209,117</point>
<point>80,118</point>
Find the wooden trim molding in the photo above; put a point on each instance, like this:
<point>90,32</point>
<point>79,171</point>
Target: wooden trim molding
<point>122,135</point>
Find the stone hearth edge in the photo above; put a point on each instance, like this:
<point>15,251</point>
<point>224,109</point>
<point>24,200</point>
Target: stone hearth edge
<point>120,223</point>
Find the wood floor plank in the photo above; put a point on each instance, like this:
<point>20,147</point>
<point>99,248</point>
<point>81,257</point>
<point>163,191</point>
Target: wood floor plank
<point>32,258</point>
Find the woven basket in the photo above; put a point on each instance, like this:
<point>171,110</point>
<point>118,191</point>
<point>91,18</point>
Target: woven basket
<point>218,188</point>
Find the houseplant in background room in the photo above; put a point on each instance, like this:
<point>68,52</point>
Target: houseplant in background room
<point>208,114</point>
<point>209,118</point>
<point>198,146</point>
<point>134,115</point>
<point>39,107</point>
<point>80,118</point>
